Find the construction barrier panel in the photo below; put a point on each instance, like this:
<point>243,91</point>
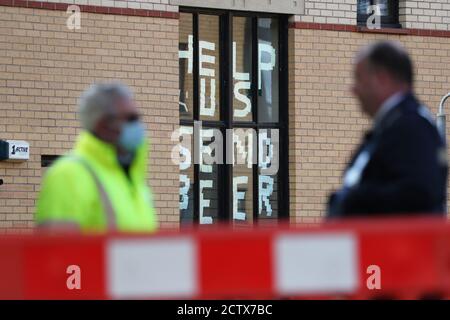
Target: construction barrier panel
<point>394,258</point>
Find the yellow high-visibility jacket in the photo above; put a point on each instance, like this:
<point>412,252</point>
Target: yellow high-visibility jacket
<point>70,190</point>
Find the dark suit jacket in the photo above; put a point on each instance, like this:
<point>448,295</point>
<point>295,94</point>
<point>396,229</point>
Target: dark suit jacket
<point>407,168</point>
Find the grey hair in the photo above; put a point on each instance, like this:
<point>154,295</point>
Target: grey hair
<point>98,100</point>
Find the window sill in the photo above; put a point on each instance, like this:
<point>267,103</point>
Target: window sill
<point>383,30</point>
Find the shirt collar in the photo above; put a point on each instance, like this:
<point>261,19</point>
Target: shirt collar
<point>105,154</point>
<point>95,149</point>
<point>387,106</point>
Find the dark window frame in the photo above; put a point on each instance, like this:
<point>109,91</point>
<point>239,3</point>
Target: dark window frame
<point>390,21</point>
<point>225,171</point>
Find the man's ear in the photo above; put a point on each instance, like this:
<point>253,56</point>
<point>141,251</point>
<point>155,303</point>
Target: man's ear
<point>99,127</point>
<point>103,130</point>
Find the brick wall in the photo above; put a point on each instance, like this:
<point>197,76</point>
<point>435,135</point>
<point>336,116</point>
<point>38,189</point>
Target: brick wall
<point>44,67</point>
<point>428,14</point>
<point>329,11</point>
<point>325,122</point>
<point>161,5</point>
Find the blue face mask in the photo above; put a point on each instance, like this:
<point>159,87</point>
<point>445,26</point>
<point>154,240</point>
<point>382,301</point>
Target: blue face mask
<point>132,135</point>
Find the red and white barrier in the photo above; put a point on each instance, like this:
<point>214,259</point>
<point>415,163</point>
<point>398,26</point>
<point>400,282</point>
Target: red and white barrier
<point>363,259</point>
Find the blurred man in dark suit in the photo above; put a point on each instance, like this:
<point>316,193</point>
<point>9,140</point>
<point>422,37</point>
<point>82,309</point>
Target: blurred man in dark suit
<point>401,166</point>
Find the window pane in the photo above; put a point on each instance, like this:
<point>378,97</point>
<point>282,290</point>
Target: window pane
<point>186,176</point>
<point>242,195</point>
<point>244,156</point>
<point>268,64</point>
<point>268,167</point>
<point>362,6</point>
<point>209,204</point>
<point>209,66</point>
<point>268,197</point>
<point>255,179</point>
<point>385,8</point>
<point>242,68</point>
<point>186,58</point>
